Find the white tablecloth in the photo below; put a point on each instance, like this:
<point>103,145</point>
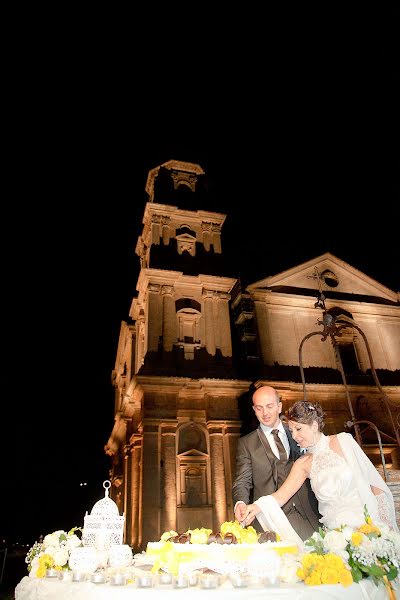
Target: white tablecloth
<point>51,589</point>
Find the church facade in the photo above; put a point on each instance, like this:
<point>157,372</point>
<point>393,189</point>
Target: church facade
<point>196,344</point>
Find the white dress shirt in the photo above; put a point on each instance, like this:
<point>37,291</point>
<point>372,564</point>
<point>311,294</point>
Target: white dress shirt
<point>271,439</point>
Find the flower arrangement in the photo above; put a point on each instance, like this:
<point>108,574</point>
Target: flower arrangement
<point>348,555</point>
<point>53,552</point>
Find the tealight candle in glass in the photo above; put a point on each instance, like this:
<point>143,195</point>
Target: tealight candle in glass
<point>78,576</point>
<point>98,577</point>
<point>239,580</point>
<point>65,575</point>
<point>118,579</point>
<point>52,572</point>
<point>181,581</point>
<point>164,578</point>
<point>209,581</point>
<point>145,581</point>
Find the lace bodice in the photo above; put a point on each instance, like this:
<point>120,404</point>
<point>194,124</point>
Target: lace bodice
<point>331,479</point>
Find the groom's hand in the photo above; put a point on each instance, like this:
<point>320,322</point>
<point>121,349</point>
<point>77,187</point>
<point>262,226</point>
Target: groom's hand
<point>240,511</point>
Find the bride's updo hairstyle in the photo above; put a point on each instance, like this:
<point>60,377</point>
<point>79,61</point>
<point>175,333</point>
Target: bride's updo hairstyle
<point>306,412</point>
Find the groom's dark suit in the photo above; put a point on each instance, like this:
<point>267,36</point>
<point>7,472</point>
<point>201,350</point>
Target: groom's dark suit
<point>259,473</point>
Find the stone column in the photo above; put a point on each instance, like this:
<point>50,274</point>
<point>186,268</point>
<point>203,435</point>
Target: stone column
<point>218,479</point>
<point>216,238</point>
<point>169,317</point>
<point>262,318</point>
<point>224,324</point>
<point>154,320</point>
<point>140,340</point>
<point>206,229</point>
<point>168,457</point>
<point>127,497</point>
<point>165,230</point>
<point>208,299</point>
<point>136,489</point>
<point>155,230</point>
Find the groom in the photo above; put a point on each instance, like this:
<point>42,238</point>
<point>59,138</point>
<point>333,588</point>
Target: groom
<point>264,458</point>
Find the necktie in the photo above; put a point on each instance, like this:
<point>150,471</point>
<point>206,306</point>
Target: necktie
<point>279,445</point>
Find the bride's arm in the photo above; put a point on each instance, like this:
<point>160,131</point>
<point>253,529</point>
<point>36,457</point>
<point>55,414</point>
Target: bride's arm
<point>297,476</point>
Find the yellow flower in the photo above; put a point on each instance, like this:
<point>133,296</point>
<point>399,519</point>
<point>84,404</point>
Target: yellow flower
<point>356,538</point>
<point>45,562</point>
<point>329,575</point>
<point>168,534</point>
<point>333,561</point>
<point>369,528</point>
<point>199,536</point>
<point>346,578</point>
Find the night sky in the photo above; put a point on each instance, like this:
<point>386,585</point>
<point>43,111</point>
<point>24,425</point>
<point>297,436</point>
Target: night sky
<point>303,159</point>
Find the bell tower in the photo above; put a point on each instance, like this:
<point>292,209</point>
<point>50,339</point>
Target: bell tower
<point>183,302</point>
<point>176,400</point>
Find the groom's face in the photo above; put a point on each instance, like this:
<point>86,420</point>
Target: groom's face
<point>267,408</point>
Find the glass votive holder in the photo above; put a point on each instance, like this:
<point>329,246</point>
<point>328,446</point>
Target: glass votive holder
<point>271,580</point>
<point>78,576</point>
<point>65,575</point>
<point>209,581</point>
<point>193,578</point>
<point>118,579</point>
<point>181,581</point>
<point>98,577</point>
<point>52,572</point>
<point>145,581</point>
<point>164,578</point>
<point>239,580</point>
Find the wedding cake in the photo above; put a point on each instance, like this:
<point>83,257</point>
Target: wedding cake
<point>232,550</point>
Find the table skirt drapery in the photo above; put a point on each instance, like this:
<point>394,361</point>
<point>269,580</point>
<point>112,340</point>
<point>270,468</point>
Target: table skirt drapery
<point>52,589</point>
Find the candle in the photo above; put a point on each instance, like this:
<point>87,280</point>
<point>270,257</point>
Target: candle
<point>52,572</point>
<point>65,575</point>
<point>98,578</point>
<point>165,578</point>
<point>270,580</point>
<point>238,580</point>
<point>145,581</point>
<point>209,581</point>
<point>193,578</point>
<point>181,581</point>
<point>78,576</point>
<point>118,579</point>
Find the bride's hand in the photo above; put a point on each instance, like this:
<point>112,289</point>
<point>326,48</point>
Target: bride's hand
<point>251,512</point>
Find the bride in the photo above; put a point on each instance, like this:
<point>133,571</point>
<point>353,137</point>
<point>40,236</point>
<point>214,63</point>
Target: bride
<point>342,477</point>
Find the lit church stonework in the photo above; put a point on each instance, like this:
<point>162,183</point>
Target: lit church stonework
<point>196,344</point>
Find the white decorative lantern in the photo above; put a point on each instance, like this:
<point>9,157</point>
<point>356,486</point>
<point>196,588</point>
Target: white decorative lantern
<point>103,527</point>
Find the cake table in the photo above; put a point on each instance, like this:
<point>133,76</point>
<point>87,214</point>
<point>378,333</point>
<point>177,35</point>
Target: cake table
<point>30,588</point>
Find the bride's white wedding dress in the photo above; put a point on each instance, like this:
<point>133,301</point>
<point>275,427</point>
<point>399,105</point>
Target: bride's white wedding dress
<point>332,482</point>
<point>342,486</point>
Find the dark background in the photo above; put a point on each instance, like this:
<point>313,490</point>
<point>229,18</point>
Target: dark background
<point>299,137</point>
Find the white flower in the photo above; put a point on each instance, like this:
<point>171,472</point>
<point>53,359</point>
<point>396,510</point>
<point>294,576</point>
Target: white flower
<point>54,551</point>
<point>52,539</point>
<point>73,542</point>
<point>335,542</point>
<point>288,568</point>
<point>34,566</point>
<point>61,557</point>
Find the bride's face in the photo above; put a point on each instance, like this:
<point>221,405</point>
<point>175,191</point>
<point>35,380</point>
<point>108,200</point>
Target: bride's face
<point>304,435</point>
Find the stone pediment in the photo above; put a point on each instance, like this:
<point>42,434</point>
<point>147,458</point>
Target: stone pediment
<point>336,276</point>
<point>192,452</point>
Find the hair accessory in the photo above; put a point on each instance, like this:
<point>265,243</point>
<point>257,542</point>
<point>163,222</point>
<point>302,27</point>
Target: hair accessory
<point>311,407</point>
